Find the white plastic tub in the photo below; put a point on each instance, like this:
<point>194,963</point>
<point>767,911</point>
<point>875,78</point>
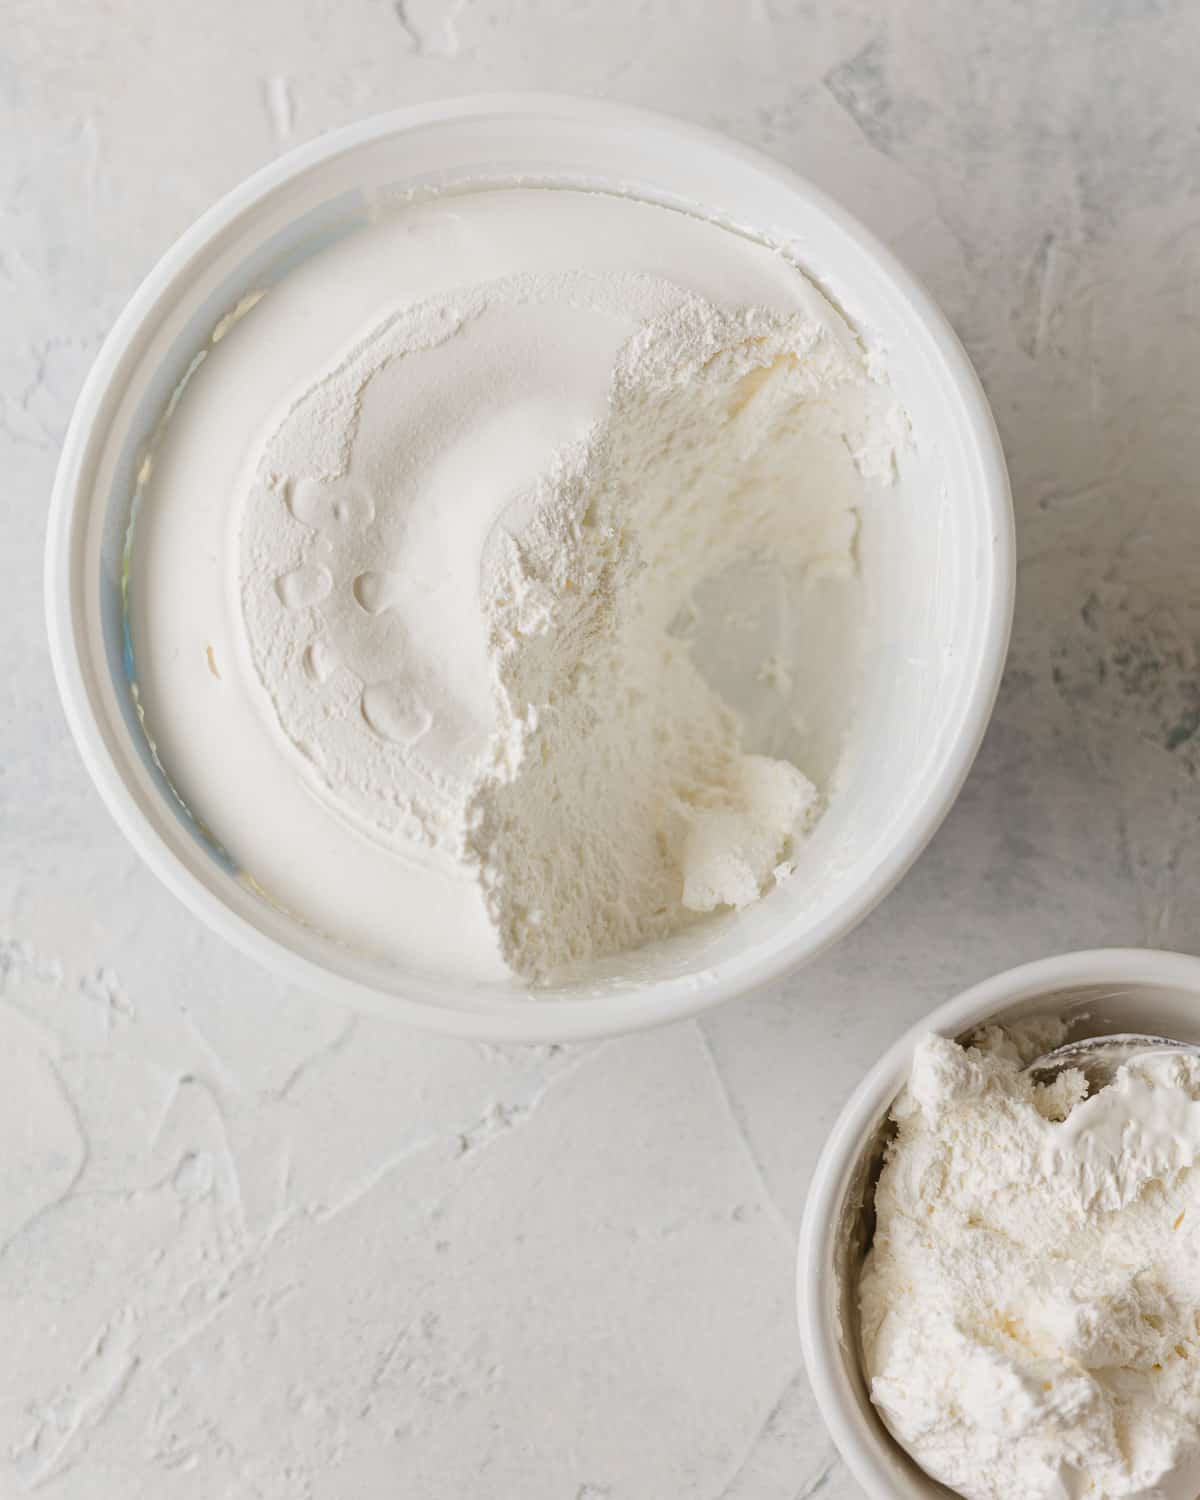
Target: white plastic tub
<point>937,558</point>
<point>1116,990</point>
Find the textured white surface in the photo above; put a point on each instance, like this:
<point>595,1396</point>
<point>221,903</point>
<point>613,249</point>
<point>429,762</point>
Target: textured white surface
<point>256,1250</point>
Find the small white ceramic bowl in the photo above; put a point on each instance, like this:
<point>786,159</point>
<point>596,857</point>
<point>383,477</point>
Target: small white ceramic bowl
<point>1107,990</point>
<point>938,564</point>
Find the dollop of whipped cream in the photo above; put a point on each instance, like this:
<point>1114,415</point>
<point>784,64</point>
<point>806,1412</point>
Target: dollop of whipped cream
<point>1030,1305</point>
<point>471,631</point>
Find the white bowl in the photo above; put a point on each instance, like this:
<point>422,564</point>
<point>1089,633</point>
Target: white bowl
<point>940,563</point>
<point>1108,990</point>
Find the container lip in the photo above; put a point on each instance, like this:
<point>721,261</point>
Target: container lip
<point>526,1018</point>
<point>861,1440</point>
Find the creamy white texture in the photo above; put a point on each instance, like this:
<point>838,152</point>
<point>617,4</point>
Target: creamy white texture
<point>448,551</point>
<point>1031,1299</point>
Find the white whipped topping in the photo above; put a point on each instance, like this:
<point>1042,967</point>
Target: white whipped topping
<point>456,557</point>
<point>1030,1305</point>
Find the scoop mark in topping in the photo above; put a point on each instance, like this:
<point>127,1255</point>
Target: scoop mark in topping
<point>329,504</point>
<point>375,592</point>
<point>320,662</point>
<point>303,587</point>
<point>395,713</point>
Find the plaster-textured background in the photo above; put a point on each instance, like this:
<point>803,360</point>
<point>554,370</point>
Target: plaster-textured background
<point>251,1247</point>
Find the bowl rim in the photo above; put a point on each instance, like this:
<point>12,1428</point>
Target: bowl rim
<point>528,1018</point>
<point>861,1439</point>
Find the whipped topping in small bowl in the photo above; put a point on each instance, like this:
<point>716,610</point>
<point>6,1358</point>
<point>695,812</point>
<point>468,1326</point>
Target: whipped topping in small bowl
<point>998,1270</point>
<point>1029,1304</point>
